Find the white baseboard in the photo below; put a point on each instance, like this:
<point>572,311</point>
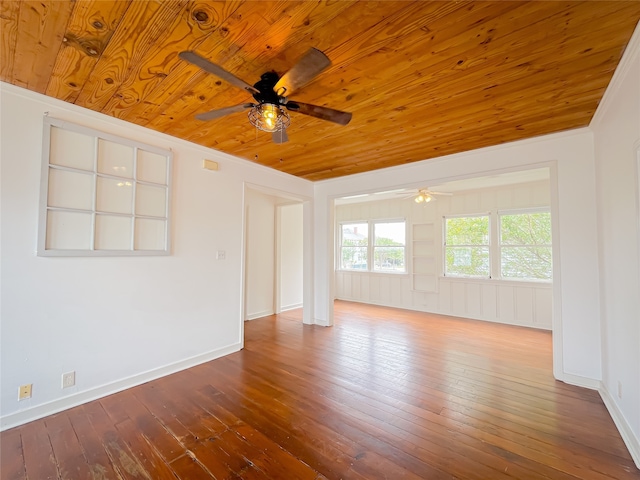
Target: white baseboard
<point>39,411</point>
<point>628,436</point>
<point>263,313</point>
<point>579,381</point>
<point>284,308</point>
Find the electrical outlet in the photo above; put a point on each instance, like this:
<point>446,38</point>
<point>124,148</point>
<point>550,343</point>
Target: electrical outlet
<point>68,379</point>
<point>24,391</point>
<point>221,255</point>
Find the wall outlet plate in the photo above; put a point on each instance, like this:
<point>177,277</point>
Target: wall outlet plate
<point>68,379</point>
<point>24,391</point>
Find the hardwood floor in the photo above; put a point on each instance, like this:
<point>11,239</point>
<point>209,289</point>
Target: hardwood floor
<point>385,393</point>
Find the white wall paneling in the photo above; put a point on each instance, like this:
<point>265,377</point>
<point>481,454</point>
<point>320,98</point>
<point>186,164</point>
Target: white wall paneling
<point>616,127</point>
<point>510,302</point>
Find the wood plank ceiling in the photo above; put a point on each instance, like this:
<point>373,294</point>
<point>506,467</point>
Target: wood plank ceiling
<point>422,79</point>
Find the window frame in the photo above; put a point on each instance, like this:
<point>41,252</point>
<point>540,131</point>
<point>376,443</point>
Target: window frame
<point>500,246</point>
<point>374,246</point>
<point>46,209</point>
<point>341,246</point>
<point>488,245</point>
<point>371,247</point>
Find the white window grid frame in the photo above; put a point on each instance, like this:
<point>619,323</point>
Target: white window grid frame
<point>341,245</point>
<point>372,229</point>
<point>371,245</point>
<point>489,245</point>
<point>496,262</point>
<point>49,123</point>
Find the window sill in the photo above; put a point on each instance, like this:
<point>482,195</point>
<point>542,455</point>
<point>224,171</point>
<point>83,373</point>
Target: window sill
<point>374,272</point>
<point>500,281</point>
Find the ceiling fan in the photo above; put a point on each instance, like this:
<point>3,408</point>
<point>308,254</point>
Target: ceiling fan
<point>424,195</point>
<point>271,93</point>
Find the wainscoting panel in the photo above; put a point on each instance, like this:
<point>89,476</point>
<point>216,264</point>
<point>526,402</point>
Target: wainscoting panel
<point>423,287</point>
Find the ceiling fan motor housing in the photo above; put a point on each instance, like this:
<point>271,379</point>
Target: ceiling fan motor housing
<point>265,87</point>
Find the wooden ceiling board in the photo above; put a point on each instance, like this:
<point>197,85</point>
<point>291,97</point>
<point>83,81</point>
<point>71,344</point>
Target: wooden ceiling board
<point>38,40</point>
<point>89,30</point>
<point>423,79</point>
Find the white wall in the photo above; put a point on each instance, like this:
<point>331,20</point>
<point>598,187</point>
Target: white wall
<point>513,302</point>
<point>290,251</point>
<point>617,155</point>
<point>576,320</point>
<point>116,321</point>
<point>261,251</point>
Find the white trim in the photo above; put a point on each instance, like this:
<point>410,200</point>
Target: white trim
<point>556,315</point>
<point>263,313</point>
<point>285,308</point>
<point>578,381</point>
<point>628,57</point>
<point>55,406</point>
<point>626,432</point>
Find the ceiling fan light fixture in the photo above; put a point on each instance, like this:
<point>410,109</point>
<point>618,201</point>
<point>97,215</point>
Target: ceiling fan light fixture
<point>423,197</point>
<point>269,117</point>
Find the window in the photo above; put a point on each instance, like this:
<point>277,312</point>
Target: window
<point>525,245</point>
<point>101,194</point>
<point>466,248</point>
<point>386,253</point>
<point>354,246</point>
<point>389,245</point>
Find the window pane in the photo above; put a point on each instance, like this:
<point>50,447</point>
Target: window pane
<point>150,234</point>
<point>355,234</point>
<point>152,167</point>
<point>526,229</point>
<point>389,259</point>
<point>467,261</point>
<point>115,196</point>
<point>113,233</point>
<point>389,233</point>
<point>526,262</point>
<point>151,201</point>
<point>115,158</point>
<point>71,149</point>
<point>354,258</point>
<point>467,231</point>
<point>68,230</point>
<point>70,189</point>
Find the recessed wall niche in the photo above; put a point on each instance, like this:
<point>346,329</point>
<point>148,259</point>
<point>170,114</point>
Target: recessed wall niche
<point>102,194</point>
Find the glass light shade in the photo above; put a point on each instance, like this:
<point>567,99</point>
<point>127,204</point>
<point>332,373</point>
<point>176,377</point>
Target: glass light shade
<point>269,117</point>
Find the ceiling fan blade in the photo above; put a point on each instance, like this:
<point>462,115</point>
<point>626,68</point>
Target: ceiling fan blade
<point>325,113</point>
<point>308,67</point>
<point>207,66</point>
<point>280,137</point>
<point>221,112</point>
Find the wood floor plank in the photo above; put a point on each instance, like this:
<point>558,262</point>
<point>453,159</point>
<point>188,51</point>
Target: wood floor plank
<point>66,448</point>
<point>384,393</point>
<point>38,455</point>
<point>97,459</point>
<point>11,457</point>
